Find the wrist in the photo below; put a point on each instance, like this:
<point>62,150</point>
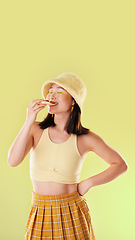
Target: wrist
<point>28,123</point>
<point>90,182</point>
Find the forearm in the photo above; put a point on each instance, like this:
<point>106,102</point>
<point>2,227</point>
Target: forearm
<point>16,151</point>
<point>108,175</point>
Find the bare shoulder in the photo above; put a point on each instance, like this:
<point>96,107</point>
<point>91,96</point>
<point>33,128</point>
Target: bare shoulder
<point>90,140</point>
<point>34,128</point>
<point>37,132</point>
<point>36,124</point>
<point>97,144</point>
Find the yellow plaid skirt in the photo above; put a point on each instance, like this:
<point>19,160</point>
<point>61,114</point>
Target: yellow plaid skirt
<point>64,216</point>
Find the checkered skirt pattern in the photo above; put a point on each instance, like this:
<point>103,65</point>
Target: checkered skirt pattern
<point>64,216</point>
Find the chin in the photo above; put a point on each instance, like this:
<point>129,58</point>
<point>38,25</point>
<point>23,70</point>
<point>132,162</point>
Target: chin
<point>51,112</point>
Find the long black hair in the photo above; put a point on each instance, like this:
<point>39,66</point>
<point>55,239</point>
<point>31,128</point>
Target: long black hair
<point>73,124</point>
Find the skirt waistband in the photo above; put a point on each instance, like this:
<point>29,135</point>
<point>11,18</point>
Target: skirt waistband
<point>36,196</point>
<point>42,200</point>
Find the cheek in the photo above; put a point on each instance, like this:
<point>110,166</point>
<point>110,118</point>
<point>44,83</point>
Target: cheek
<point>67,97</point>
<point>66,101</point>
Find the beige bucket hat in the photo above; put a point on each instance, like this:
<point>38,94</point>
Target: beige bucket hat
<point>72,83</point>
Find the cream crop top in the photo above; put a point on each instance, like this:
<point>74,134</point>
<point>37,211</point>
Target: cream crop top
<point>57,162</point>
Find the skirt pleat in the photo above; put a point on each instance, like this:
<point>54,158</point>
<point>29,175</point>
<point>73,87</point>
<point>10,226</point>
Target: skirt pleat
<point>57,222</point>
<point>64,216</point>
<point>47,232</point>
<point>83,227</point>
<point>68,224</point>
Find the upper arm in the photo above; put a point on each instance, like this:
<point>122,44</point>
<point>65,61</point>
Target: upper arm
<point>30,140</point>
<point>104,150</point>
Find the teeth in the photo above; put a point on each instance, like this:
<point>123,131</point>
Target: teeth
<point>54,104</point>
<point>52,101</point>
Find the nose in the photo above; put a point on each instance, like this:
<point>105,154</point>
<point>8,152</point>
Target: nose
<point>52,96</point>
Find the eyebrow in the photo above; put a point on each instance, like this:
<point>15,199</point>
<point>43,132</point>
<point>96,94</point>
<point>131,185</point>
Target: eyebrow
<point>57,87</point>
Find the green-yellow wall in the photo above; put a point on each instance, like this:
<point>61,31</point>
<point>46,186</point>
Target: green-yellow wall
<point>95,40</point>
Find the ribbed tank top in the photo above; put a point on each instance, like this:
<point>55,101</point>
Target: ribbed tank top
<point>55,162</point>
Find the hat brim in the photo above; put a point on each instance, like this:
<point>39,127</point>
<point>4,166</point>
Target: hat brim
<point>46,86</point>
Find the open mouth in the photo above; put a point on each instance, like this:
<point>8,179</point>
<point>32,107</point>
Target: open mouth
<point>52,102</point>
<point>55,103</point>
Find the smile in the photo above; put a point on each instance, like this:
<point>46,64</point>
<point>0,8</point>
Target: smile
<point>53,105</point>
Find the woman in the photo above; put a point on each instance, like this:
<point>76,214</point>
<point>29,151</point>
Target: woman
<point>58,146</point>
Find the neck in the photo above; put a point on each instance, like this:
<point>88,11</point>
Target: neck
<point>61,120</point>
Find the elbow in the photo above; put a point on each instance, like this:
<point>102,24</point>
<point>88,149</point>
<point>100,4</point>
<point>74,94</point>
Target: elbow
<point>11,163</point>
<point>124,167</point>
<point>121,167</point>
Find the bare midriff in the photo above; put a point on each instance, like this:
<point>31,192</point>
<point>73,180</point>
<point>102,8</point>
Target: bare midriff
<point>53,188</point>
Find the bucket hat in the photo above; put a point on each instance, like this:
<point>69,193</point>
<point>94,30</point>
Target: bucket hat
<point>72,83</point>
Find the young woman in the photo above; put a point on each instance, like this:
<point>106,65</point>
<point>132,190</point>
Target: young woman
<point>58,146</point>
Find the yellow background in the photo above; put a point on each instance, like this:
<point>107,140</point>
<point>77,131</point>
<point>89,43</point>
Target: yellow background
<point>96,41</point>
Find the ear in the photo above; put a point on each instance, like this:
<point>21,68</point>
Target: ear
<point>73,102</point>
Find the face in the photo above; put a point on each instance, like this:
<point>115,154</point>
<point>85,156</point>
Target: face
<point>62,97</point>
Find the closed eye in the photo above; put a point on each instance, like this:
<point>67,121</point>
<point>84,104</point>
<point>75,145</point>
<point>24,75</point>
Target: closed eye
<point>58,92</point>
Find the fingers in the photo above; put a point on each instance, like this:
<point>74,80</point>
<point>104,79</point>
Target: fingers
<point>32,109</point>
<point>45,102</point>
<point>34,102</point>
<point>39,107</point>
